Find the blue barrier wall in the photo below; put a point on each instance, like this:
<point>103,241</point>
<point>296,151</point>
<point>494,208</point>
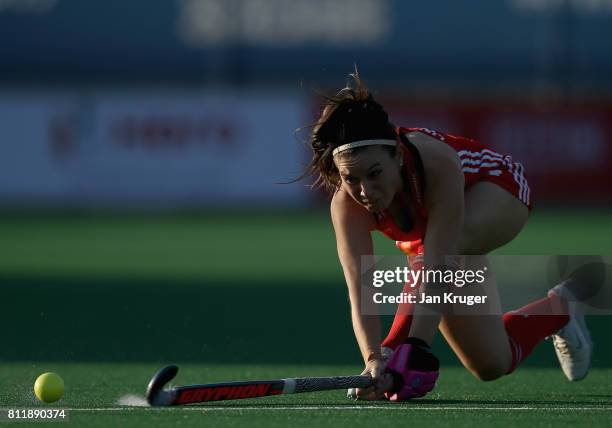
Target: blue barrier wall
<point>469,42</point>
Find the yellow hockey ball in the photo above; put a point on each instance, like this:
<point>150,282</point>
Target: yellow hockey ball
<point>49,387</point>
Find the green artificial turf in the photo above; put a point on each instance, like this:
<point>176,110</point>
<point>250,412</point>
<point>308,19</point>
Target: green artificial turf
<point>225,247</point>
<point>533,397</point>
<point>107,300</point>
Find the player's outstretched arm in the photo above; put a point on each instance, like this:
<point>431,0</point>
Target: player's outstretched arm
<point>352,226</point>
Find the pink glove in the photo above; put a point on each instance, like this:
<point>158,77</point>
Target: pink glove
<point>414,369</point>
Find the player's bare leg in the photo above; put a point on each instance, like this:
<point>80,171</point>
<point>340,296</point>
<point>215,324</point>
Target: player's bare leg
<point>489,345</point>
<point>479,338</point>
<point>493,217</point>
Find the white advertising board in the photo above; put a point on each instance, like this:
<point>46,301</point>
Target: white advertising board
<point>152,148</point>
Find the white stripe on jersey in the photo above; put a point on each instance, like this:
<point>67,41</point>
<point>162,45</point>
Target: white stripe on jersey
<point>519,180</point>
<point>473,158</point>
<point>484,152</point>
<point>519,177</point>
<point>477,161</point>
<point>473,161</point>
<point>477,169</point>
<point>480,165</point>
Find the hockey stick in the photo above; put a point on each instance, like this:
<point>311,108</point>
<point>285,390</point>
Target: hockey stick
<point>179,395</point>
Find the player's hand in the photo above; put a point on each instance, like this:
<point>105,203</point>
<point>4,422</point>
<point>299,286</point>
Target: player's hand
<point>382,381</point>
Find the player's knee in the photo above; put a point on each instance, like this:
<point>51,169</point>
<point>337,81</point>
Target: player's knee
<point>489,372</point>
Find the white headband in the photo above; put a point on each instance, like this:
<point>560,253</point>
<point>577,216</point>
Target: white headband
<point>363,143</point>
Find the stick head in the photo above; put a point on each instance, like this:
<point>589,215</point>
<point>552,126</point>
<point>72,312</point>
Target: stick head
<point>156,394</point>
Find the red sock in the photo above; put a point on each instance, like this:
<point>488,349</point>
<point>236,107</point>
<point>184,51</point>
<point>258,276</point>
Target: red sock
<point>529,325</point>
<point>400,329</point>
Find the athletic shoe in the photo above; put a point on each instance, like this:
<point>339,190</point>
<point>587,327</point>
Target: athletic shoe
<point>351,393</point>
<point>572,343</point>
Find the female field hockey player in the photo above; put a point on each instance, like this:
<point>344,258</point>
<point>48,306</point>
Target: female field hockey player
<point>435,195</point>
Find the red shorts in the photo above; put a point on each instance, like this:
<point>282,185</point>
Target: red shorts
<point>488,165</point>
<point>480,163</point>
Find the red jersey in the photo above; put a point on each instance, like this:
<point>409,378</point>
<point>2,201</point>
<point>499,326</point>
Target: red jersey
<point>478,162</point>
